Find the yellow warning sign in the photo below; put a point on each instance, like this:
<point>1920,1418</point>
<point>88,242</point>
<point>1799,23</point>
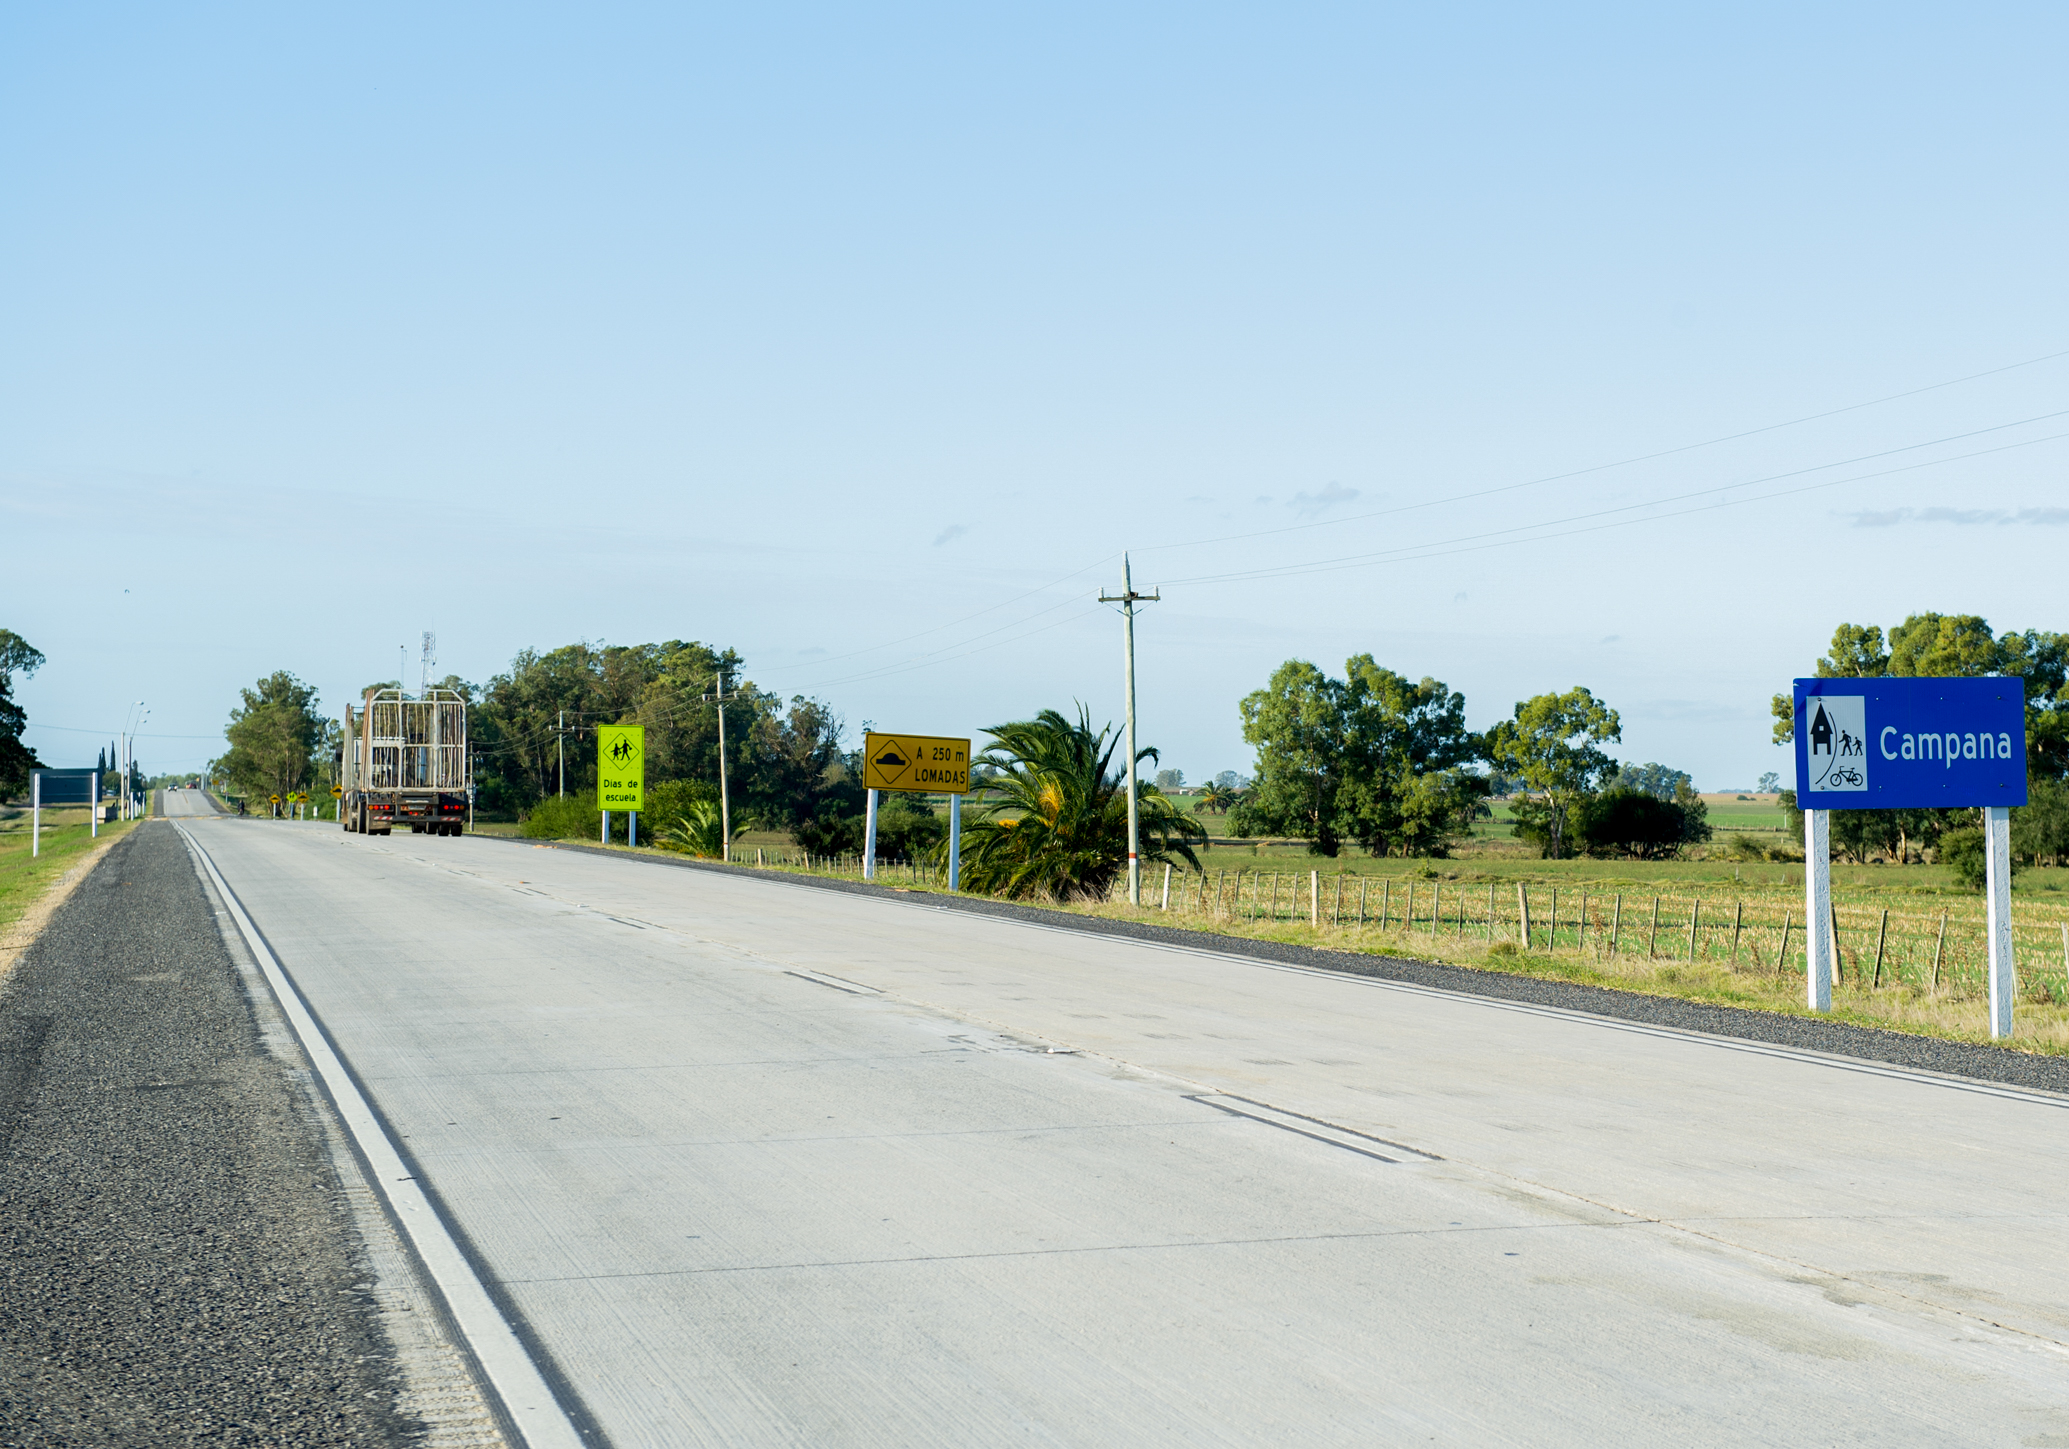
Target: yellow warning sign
<point>621,767</point>
<point>924,763</point>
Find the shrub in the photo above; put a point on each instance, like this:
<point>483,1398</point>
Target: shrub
<point>829,834</point>
<point>1965,850</point>
<point>564,817</point>
<point>699,830</point>
<point>907,827</point>
<point>1636,824</point>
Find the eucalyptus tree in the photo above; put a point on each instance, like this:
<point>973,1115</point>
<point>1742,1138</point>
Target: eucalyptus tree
<point>1373,758</point>
<point>1553,743</point>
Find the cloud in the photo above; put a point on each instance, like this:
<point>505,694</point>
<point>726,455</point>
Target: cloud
<point>1311,504</point>
<point>1458,598</point>
<point>1611,638</point>
<point>949,534</point>
<point>1964,517</point>
<point>1264,498</point>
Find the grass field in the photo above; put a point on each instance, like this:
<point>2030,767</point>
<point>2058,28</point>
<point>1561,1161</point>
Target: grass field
<point>24,877</point>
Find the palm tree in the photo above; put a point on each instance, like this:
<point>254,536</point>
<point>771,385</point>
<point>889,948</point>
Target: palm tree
<point>1057,822</point>
<point>1219,798</point>
<point>699,831</point>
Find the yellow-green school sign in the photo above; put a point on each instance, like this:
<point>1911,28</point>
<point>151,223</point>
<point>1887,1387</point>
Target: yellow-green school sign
<point>621,767</point>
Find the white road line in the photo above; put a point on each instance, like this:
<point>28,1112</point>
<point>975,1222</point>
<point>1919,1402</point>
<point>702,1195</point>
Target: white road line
<point>512,1375</point>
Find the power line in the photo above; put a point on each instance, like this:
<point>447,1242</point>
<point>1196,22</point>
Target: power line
<point>1473,543</point>
<point>1340,520</point>
<point>1673,498</point>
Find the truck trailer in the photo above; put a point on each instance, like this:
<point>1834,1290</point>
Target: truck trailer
<point>405,763</point>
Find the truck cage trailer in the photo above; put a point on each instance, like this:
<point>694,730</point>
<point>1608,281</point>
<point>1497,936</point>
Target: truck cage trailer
<point>405,762</point>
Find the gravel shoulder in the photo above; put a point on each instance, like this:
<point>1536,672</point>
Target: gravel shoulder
<point>179,1261</point>
<point>1968,1060</point>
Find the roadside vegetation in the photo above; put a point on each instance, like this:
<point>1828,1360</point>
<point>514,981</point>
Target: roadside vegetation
<point>1375,820</point>
<point>24,877</point>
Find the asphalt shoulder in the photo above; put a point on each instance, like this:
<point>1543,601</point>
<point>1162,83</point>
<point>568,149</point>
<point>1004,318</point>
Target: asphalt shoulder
<point>177,1260</point>
<point>1972,1061</point>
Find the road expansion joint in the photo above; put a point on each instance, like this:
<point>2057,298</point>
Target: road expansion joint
<point>1077,1250</point>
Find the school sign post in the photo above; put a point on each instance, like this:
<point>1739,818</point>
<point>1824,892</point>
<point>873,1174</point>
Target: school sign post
<point>1902,744</point>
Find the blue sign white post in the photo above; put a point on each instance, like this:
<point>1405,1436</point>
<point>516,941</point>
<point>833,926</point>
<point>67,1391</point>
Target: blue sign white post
<point>1903,744</point>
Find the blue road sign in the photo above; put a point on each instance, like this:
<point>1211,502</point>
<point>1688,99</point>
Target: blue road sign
<point>1901,744</point>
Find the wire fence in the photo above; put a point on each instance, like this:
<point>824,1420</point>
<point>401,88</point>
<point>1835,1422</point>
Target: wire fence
<point>1940,948</point>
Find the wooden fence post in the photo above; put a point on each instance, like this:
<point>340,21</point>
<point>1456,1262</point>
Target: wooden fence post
<point>1939,946</point>
<point>1781,952</point>
<point>1881,935</point>
<point>1580,929</point>
<point>1361,902</point>
<point>1408,915</point>
<point>1694,914</point>
<point>1652,941</point>
<point>1738,916</point>
<point>1523,914</point>
<point>1616,923</point>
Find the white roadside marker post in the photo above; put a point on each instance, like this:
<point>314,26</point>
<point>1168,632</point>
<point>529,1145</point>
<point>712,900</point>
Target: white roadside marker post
<point>1817,908</point>
<point>1166,905</point>
<point>35,813</point>
<point>93,806</point>
<point>869,839</point>
<point>955,842</point>
<point>1997,846</point>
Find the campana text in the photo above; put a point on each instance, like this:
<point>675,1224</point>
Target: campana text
<point>1950,746</point>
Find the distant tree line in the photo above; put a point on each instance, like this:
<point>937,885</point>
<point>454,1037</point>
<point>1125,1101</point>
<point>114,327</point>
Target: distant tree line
<point>1382,763</point>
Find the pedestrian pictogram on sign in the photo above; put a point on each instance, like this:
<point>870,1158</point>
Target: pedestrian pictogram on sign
<point>927,764</point>
<point>621,767</point>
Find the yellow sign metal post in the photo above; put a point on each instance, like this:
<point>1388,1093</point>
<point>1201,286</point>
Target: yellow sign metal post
<point>921,764</point>
<point>621,776</point>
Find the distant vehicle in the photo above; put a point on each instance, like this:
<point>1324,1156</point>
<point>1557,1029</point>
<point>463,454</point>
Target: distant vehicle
<point>405,762</point>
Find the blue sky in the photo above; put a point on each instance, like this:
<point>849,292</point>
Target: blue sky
<point>864,342</point>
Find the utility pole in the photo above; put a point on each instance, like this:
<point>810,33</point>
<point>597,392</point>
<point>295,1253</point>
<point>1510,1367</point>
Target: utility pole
<point>725,803</point>
<point>560,749</point>
<point>1128,599</point>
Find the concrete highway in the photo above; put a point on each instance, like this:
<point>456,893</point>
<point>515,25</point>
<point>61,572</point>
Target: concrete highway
<point>755,1163</point>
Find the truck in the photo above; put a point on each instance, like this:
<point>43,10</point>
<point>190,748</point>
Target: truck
<point>405,762</point>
